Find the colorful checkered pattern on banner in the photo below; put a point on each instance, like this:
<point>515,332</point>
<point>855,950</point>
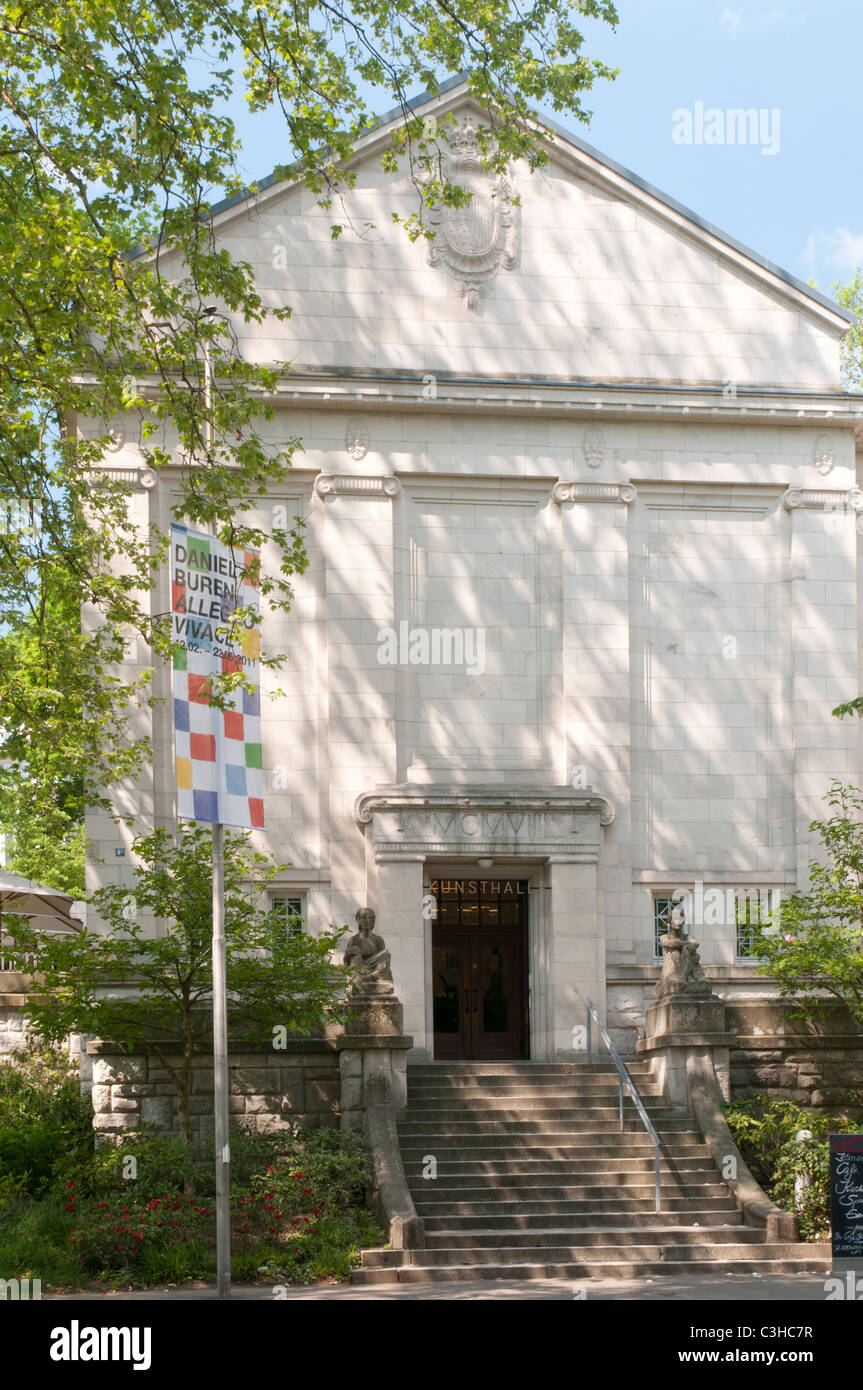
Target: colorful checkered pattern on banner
<point>218,751</point>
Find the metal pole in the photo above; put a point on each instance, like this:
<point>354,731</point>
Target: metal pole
<point>588,1038</point>
<point>220,1071</point>
<point>620,1101</point>
<point>220,999</point>
<point>656,1156</point>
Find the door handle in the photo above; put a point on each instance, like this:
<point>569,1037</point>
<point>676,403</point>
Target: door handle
<point>475,1009</point>
<point>467,1001</point>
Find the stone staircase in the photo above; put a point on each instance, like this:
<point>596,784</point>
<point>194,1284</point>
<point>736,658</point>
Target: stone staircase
<point>536,1181</point>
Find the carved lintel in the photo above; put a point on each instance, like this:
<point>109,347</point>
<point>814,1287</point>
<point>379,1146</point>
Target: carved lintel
<point>593,492</point>
<point>410,822</point>
<point>328,485</point>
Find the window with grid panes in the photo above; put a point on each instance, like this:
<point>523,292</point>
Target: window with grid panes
<point>751,910</point>
<point>662,909</point>
<point>292,908</point>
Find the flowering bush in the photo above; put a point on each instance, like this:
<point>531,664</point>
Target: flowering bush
<point>318,1176</point>
<point>299,1215</point>
<point>118,1236</point>
<point>327,1169</point>
<point>297,1206</point>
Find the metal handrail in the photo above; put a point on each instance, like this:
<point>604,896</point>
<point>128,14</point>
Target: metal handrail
<point>624,1079</point>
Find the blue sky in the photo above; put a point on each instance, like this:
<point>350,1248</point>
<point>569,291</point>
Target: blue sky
<point>801,206</point>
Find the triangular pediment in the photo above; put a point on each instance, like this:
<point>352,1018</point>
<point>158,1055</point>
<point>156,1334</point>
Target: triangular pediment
<point>578,270</point>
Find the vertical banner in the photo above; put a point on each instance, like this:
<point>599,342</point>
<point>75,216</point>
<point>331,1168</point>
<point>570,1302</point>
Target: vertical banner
<point>218,752</point>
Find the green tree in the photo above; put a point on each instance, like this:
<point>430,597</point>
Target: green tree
<point>154,993</point>
<point>46,844</point>
<point>42,770</point>
<point>815,949</point>
<point>850,296</point>
<point>114,135</point>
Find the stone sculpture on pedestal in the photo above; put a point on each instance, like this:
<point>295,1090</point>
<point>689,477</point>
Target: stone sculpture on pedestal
<point>686,1021</point>
<point>682,971</point>
<point>373,1008</point>
<point>367,953</point>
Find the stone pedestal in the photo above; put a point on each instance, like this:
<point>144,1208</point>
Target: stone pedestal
<point>374,1016</point>
<point>688,1046</point>
<point>363,1057</point>
<point>373,1046</point>
<point>681,1025</point>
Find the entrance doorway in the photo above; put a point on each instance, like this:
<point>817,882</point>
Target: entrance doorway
<point>479,950</point>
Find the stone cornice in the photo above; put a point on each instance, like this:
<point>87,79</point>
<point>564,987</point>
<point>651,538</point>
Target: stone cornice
<point>334,388</point>
<point>342,388</point>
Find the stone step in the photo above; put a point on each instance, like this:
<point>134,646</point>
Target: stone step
<point>766,1263</point>
<point>700,1253</point>
<point>564,1192</point>
<point>439,1099</point>
<point>522,1073</point>
<point>492,1086</point>
<point>568,1147</point>
<point>466,1085</point>
<point>412,1130</point>
<point>537,1173</point>
<point>574,1192</point>
<point>573,1239</point>
<point>578,1214</point>
<point>434,1121</point>
<point>582,1207</point>
<point>521,1065</point>
<point>434,1112</point>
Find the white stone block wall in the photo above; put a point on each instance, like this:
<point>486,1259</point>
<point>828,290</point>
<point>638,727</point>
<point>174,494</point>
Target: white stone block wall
<point>680,651</point>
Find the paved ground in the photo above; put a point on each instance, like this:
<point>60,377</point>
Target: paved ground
<point>742,1288</point>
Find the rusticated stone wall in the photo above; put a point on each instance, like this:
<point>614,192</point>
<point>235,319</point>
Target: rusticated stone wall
<point>818,1065</point>
<point>271,1090</point>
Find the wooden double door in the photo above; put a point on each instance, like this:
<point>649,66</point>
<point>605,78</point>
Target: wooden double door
<point>479,953</point>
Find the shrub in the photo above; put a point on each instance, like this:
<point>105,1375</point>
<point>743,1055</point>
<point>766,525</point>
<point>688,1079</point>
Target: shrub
<point>764,1130</point>
<point>130,1238</point>
<point>160,1164</point>
<point>297,1199</point>
<point>44,1119</point>
<point>324,1172</point>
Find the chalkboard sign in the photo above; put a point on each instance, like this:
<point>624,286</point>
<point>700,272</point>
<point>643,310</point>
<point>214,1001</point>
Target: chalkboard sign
<point>846,1194</point>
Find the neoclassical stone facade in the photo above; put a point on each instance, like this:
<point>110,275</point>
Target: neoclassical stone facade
<point>581,502</point>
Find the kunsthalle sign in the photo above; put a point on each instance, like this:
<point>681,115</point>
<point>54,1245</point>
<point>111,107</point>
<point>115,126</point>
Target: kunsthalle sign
<point>218,751</point>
